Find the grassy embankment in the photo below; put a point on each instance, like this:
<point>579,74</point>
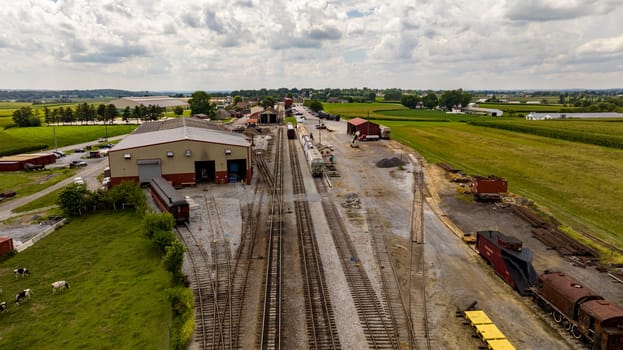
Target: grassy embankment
<point>577,183</point>
<point>116,300</point>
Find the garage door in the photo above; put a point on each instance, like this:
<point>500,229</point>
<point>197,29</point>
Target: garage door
<point>148,169</point>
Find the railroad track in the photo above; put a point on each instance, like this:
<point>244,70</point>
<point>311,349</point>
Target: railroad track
<point>376,320</point>
<point>270,335</point>
<point>212,296</point>
<point>392,295</point>
<point>321,328</point>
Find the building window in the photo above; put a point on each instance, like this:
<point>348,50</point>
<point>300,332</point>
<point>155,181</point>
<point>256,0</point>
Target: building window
<point>127,156</point>
<point>187,153</point>
<point>170,154</point>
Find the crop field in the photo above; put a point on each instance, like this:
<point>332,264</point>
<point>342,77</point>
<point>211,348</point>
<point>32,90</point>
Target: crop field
<point>361,110</point>
<point>116,300</point>
<point>608,133</point>
<point>19,138</point>
<point>578,183</point>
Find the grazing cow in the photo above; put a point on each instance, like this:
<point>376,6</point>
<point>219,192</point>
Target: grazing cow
<point>22,271</point>
<point>3,306</point>
<point>25,294</point>
<point>59,285</point>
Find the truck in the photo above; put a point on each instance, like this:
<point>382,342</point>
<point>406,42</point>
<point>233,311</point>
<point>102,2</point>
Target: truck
<point>384,132</point>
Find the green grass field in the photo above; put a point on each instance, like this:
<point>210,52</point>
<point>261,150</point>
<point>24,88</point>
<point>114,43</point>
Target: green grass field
<point>578,183</point>
<point>28,182</point>
<point>117,298</point>
<point>18,138</point>
<point>362,110</point>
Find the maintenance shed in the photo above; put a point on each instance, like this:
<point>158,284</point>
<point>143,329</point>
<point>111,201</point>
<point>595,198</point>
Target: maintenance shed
<point>26,161</point>
<point>184,151</point>
<point>364,127</point>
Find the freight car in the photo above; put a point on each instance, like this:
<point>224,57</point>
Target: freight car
<point>291,131</point>
<point>168,199</point>
<point>315,162</point>
<point>511,261</point>
<point>580,310</point>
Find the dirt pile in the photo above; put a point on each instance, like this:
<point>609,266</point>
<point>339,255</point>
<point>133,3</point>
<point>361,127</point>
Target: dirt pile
<point>390,163</point>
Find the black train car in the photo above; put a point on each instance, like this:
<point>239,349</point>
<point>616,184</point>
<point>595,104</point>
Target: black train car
<point>168,199</point>
<point>291,131</point>
<point>580,310</point>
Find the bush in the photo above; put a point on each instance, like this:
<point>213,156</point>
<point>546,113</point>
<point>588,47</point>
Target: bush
<point>163,239</point>
<point>173,260</point>
<point>155,222</point>
<point>183,323</point>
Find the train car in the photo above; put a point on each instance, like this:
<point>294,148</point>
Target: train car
<point>315,162</point>
<point>291,131</point>
<point>168,199</point>
<point>511,261</point>
<point>580,310</point>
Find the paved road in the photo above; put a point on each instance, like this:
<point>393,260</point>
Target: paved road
<point>89,173</point>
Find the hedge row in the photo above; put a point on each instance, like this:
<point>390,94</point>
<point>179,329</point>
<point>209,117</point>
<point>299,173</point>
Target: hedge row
<point>611,141</point>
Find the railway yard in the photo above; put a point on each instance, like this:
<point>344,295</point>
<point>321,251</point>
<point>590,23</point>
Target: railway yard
<point>356,261</point>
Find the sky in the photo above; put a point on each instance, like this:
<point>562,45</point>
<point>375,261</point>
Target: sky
<point>187,45</point>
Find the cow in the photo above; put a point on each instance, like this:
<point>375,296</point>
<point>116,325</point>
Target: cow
<point>59,286</point>
<point>25,294</point>
<point>3,307</point>
<point>22,271</point>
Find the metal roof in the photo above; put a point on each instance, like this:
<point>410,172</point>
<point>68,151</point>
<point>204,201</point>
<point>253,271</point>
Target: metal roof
<point>357,121</point>
<point>603,310</point>
<point>185,130</point>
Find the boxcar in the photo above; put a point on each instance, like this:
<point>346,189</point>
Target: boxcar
<point>291,131</point>
<point>169,199</point>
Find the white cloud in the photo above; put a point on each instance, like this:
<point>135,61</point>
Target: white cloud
<point>187,45</point>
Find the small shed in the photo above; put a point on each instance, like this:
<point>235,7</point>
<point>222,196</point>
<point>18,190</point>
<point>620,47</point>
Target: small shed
<point>365,127</point>
<point>6,245</point>
<point>268,117</point>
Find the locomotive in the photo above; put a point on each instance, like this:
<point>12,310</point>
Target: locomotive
<point>580,310</point>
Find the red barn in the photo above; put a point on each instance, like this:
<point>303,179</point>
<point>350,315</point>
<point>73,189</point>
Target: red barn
<point>364,127</point>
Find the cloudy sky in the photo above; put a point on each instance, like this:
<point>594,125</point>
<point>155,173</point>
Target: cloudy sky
<point>251,44</point>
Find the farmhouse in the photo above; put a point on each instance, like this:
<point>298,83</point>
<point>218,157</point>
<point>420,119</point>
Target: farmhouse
<point>185,151</point>
<point>162,101</point>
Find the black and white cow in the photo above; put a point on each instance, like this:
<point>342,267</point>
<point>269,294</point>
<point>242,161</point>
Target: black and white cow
<point>3,306</point>
<point>25,294</point>
<point>59,286</point>
<point>22,271</point>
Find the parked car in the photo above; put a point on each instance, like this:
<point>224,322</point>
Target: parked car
<point>79,150</point>
<point>79,181</point>
<point>77,163</point>
<point>58,154</point>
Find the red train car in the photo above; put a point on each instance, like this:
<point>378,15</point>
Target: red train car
<point>509,259</point>
<point>169,199</point>
<point>580,310</point>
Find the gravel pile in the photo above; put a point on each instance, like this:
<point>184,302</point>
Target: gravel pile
<point>352,201</point>
<point>390,163</point>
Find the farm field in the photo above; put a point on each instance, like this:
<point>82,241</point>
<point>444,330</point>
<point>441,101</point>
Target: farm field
<point>575,182</point>
<point>362,110</point>
<point>522,107</point>
<point>116,300</point>
<point>22,138</point>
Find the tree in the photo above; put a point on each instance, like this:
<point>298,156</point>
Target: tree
<point>430,100</point>
<point>127,113</point>
<point>111,113</point>
<point>268,102</point>
<point>101,112</point>
<point>236,100</point>
<point>314,105</point>
<point>73,200</point>
<point>178,110</point>
<point>409,101</point>
<point>453,98</point>
<point>393,95</point>
<point>25,117</point>
<point>200,104</point>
